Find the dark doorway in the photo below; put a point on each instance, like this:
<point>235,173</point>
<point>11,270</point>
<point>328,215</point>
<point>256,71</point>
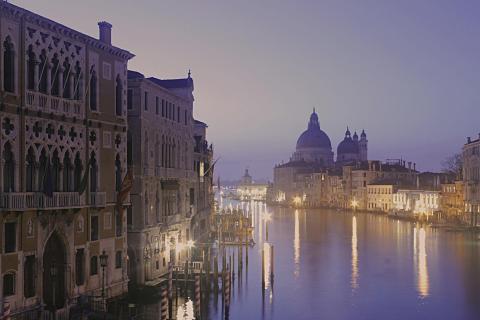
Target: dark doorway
<point>54,263</point>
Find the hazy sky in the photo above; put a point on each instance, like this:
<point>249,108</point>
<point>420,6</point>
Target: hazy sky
<point>406,71</point>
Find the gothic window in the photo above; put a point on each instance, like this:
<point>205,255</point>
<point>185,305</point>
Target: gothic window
<point>42,169</point>
<point>77,85</point>
<point>67,173</point>
<point>32,62</point>
<point>8,169</point>
<point>55,171</point>
<point>77,174</point>
<point>93,90</point>
<point>118,96</point>
<point>29,276</point>
<point>8,66</point>
<point>55,76</point>
<point>93,265</point>
<point>44,69</point>
<point>67,71</point>
<point>30,183</point>
<point>118,173</point>
<point>93,172</point>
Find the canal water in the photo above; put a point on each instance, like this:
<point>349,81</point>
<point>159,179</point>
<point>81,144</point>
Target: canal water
<point>339,265</point>
<point>330,264</point>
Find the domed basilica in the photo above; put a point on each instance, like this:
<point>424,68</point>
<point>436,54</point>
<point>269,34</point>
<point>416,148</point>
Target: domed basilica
<point>314,146</point>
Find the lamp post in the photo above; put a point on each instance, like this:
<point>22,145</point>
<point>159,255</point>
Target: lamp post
<point>103,264</point>
<point>53,276</point>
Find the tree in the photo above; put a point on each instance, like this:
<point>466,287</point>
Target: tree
<point>453,165</point>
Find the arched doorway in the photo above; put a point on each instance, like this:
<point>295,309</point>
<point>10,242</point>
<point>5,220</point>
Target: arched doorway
<point>54,264</point>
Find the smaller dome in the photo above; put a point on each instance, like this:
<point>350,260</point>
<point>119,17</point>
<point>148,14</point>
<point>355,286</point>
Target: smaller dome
<point>347,146</point>
<point>355,136</point>
<point>363,135</point>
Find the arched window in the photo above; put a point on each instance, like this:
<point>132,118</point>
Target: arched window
<point>55,76</point>
<point>42,170</point>
<point>44,69</point>
<point>77,83</point>
<point>93,173</point>
<point>77,174</point>
<point>8,169</point>
<point>118,96</point>
<point>55,171</point>
<point>30,183</point>
<point>174,151</point>
<point>31,65</point>
<point>8,65</point>
<point>67,85</point>
<point>9,284</point>
<point>67,173</point>
<point>93,90</point>
<point>118,173</point>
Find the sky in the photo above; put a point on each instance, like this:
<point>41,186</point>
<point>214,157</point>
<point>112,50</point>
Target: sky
<point>408,72</point>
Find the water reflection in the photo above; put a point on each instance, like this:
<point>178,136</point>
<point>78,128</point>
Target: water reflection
<point>420,259</point>
<point>185,311</point>
<point>296,246</point>
<point>354,254</point>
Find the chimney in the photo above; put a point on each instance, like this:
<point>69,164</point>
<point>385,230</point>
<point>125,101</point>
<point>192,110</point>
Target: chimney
<point>469,140</point>
<point>105,31</point>
<point>414,166</point>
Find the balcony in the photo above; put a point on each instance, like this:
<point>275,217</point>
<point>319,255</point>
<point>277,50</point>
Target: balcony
<point>19,201</point>
<point>46,103</point>
<point>98,199</point>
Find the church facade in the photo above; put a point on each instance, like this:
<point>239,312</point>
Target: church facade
<point>314,155</point>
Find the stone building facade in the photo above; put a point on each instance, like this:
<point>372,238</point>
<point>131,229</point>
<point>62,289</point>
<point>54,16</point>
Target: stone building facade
<point>62,143</point>
<point>452,202</point>
<point>471,178</point>
<point>169,156</point>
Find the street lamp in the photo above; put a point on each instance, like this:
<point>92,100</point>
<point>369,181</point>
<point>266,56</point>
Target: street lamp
<point>354,204</point>
<point>103,264</point>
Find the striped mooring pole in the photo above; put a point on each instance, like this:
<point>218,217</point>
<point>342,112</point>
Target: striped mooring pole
<point>164,304</point>
<point>170,280</point>
<point>227,293</point>
<point>197,295</point>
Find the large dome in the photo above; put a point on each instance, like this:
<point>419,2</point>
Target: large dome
<point>314,137</point>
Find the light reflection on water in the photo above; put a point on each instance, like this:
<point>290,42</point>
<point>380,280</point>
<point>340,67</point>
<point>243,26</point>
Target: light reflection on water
<point>320,256</point>
<point>354,254</point>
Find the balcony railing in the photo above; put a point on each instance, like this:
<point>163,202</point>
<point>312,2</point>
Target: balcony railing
<point>98,199</point>
<point>47,103</point>
<point>37,200</point>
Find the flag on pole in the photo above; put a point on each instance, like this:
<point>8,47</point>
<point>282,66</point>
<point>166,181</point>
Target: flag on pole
<point>125,188</point>
<point>84,182</point>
